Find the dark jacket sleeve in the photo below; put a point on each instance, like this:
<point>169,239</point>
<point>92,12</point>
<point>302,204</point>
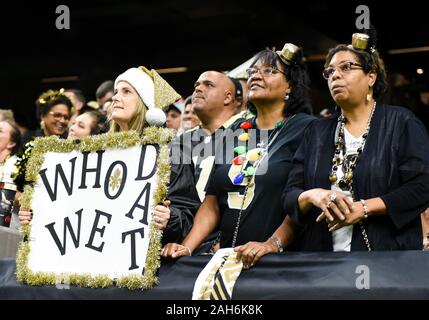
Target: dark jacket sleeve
<point>405,203</point>
<point>184,203</point>
<point>296,181</point>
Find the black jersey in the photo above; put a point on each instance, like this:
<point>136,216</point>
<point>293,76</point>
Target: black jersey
<point>198,147</point>
<point>262,210</point>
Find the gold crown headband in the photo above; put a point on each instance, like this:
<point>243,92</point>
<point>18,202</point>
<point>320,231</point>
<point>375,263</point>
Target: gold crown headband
<point>49,96</point>
<point>287,54</point>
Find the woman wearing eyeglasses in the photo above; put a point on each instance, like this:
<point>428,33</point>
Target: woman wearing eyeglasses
<point>245,187</point>
<point>55,111</point>
<point>361,177</point>
<point>83,125</point>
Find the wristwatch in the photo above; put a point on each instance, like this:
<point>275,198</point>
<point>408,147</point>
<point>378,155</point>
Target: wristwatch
<point>278,244</point>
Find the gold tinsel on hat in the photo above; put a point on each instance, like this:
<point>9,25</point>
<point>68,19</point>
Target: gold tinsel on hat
<point>164,93</point>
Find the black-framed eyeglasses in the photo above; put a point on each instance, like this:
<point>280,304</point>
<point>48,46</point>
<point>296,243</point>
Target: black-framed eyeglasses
<point>342,68</point>
<point>264,71</point>
<point>59,116</point>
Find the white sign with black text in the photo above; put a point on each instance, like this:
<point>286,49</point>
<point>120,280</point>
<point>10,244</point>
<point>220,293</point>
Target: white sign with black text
<point>92,212</point>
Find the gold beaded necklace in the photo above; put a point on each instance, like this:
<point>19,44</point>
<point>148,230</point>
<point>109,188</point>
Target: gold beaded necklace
<point>348,164</point>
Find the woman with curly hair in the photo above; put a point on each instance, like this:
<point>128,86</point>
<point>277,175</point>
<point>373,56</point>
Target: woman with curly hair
<point>55,112</point>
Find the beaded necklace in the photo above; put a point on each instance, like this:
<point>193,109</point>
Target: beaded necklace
<point>251,160</point>
<point>348,164</point>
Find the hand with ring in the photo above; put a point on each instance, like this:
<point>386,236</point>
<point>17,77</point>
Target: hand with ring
<point>332,198</point>
<point>355,215</point>
<point>251,252</point>
<point>334,205</point>
<point>161,215</point>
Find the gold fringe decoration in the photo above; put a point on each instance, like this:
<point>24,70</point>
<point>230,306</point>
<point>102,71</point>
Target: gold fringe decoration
<point>113,140</point>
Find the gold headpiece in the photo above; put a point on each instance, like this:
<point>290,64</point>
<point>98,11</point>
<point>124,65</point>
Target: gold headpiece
<point>288,52</point>
<point>49,96</point>
<point>164,93</point>
<point>360,41</point>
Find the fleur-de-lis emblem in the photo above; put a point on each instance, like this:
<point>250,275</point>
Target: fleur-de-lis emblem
<point>115,179</point>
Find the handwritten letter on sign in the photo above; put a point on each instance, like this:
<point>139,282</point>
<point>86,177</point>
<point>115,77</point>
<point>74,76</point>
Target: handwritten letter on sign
<point>92,212</point>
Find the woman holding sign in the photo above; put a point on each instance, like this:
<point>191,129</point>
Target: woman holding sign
<point>139,96</point>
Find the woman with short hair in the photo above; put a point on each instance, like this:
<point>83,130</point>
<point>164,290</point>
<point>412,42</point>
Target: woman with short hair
<point>361,177</point>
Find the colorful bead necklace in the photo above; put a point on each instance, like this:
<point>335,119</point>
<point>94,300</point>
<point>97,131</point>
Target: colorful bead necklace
<point>252,159</point>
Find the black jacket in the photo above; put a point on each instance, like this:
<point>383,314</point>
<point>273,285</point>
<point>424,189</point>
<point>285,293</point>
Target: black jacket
<point>184,203</point>
<point>394,166</point>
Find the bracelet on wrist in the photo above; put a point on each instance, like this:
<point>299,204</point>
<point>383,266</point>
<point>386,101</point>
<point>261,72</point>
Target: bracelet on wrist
<point>277,243</point>
<point>365,209</point>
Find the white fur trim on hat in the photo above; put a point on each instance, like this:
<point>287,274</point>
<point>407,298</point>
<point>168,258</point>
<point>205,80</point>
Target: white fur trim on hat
<point>155,117</point>
<point>143,84</point>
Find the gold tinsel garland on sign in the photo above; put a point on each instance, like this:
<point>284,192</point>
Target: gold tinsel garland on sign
<point>121,140</point>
